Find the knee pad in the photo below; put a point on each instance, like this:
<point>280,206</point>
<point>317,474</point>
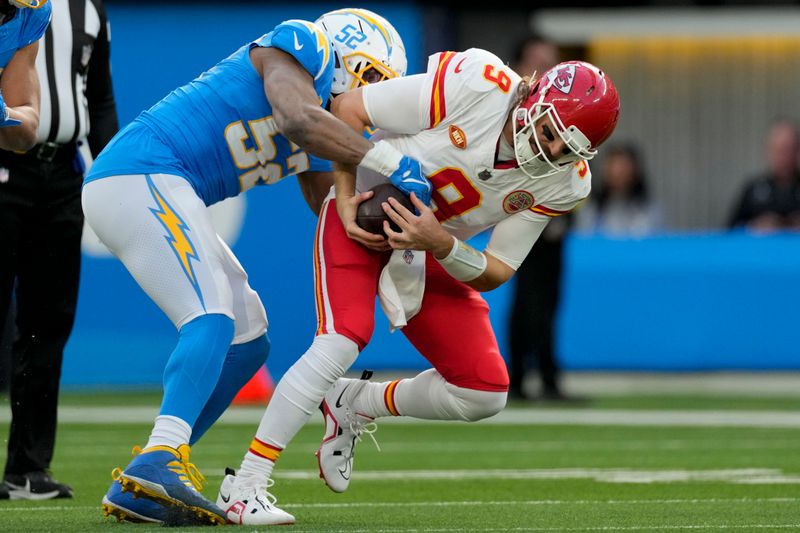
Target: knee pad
<point>331,355</point>
<point>472,405</point>
<point>324,362</point>
<point>250,318</point>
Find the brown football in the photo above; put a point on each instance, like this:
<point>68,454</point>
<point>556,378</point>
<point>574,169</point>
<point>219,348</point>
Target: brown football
<point>370,215</point>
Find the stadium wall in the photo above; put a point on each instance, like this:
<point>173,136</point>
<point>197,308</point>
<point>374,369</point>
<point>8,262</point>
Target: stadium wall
<point>669,303</point>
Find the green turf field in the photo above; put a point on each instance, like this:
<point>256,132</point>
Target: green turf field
<point>448,477</point>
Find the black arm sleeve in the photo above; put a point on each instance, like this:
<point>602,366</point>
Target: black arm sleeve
<point>103,122</point>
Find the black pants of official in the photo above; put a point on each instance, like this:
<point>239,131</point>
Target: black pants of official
<point>533,312</point>
<point>40,233</point>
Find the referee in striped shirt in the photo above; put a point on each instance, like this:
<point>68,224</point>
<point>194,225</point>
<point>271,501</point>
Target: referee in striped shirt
<point>40,231</point>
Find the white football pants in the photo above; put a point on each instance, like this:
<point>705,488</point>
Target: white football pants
<point>161,231</point>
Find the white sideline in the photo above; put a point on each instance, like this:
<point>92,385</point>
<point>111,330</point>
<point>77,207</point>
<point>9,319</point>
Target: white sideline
<point>527,416</point>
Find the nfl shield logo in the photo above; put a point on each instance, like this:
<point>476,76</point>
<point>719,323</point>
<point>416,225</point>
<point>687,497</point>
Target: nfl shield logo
<point>408,256</point>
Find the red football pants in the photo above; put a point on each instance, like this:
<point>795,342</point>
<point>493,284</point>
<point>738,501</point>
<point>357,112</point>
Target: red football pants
<point>452,329</point>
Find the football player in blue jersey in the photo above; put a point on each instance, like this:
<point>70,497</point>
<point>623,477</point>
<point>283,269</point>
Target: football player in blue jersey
<point>253,119</point>
<point>22,24</point>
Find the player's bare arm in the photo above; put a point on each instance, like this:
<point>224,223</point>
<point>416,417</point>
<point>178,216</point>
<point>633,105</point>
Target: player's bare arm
<point>20,90</point>
<point>296,110</point>
<point>423,232</point>
<point>315,187</point>
<point>349,107</point>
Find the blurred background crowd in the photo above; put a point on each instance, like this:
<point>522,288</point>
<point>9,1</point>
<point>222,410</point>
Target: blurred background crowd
<point>683,259</point>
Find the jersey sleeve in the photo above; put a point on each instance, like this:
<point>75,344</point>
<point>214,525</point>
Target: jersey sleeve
<point>396,105</point>
<point>513,237</point>
<point>305,42</point>
<point>36,25</point>
<point>563,199</point>
<point>458,80</point>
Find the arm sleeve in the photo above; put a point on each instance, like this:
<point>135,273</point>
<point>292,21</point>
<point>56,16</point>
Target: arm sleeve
<point>103,123</point>
<point>513,237</point>
<point>397,105</point>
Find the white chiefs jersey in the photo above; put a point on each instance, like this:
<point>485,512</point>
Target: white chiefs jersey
<point>466,101</point>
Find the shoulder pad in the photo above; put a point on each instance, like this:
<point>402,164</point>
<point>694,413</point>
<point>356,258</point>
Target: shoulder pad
<point>305,42</point>
<point>35,24</point>
<point>466,77</point>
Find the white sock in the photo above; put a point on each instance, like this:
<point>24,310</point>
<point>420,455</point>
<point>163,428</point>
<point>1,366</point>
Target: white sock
<point>427,396</point>
<point>295,399</point>
<point>169,431</point>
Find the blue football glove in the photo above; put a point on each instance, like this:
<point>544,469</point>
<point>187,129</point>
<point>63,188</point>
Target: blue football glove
<point>409,178</point>
<point>404,173</point>
<point>6,120</point>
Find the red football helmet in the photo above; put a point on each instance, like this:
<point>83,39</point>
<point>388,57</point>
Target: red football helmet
<point>583,105</point>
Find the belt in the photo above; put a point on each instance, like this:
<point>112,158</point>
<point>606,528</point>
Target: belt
<point>48,151</point>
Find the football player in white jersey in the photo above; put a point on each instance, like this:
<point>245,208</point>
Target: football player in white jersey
<point>502,152</point>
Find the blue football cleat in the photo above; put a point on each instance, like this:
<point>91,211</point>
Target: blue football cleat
<point>125,507</point>
<point>165,476</point>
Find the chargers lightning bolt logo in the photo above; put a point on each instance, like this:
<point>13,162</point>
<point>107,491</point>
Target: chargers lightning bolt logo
<point>177,238</point>
<point>323,44</point>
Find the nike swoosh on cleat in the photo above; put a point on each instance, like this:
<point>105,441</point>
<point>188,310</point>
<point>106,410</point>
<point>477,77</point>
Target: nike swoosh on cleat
<point>345,472</point>
<point>226,500</point>
<point>297,45</point>
<point>339,399</point>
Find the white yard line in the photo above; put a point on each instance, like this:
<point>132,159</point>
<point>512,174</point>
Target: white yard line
<point>395,447</point>
<point>748,476</point>
<point>528,416</point>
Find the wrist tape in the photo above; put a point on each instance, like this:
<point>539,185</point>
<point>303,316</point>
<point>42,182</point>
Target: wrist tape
<point>382,158</point>
<point>464,262</point>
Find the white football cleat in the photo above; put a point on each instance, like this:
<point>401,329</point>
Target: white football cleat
<point>249,504</point>
<point>343,430</point>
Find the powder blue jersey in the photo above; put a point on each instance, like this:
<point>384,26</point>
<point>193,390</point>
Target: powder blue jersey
<point>27,27</point>
<point>218,131</point>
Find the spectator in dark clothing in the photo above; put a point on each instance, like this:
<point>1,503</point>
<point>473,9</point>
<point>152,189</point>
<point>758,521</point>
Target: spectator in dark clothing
<point>620,206</point>
<point>771,202</point>
<point>538,279</point>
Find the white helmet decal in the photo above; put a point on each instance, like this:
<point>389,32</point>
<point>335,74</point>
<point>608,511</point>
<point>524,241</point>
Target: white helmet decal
<point>562,78</point>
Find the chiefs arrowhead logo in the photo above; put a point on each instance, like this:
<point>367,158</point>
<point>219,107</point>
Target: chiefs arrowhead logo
<point>562,78</point>
<point>457,137</point>
<point>517,201</point>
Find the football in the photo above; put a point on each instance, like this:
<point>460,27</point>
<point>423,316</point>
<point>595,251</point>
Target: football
<point>370,215</point>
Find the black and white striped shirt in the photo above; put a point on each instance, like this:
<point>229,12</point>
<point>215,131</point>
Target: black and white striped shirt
<point>75,76</point>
